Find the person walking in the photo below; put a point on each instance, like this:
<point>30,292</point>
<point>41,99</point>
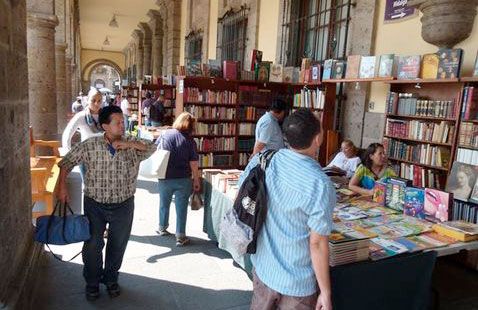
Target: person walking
<point>292,254</point>
<point>182,166</point>
<point>112,162</point>
<point>146,107</point>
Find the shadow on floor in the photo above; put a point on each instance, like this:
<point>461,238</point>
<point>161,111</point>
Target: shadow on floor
<point>63,288</point>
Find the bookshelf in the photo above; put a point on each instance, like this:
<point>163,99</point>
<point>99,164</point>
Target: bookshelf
<point>132,94</point>
<point>230,109</point>
<point>421,128</point>
<point>467,149</point>
<point>169,92</point>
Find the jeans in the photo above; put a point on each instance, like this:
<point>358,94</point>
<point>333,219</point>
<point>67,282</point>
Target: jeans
<point>156,124</point>
<point>181,189</point>
<point>120,218</point>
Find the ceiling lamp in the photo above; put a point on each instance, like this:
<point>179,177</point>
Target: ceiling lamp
<point>113,22</point>
<point>106,41</point>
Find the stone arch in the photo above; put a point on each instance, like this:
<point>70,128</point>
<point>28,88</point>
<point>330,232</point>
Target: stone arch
<point>86,71</point>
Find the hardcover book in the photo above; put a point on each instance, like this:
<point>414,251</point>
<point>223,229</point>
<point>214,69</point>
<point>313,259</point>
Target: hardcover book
<point>395,197</point>
<point>408,67</point>
<point>215,68</point>
<point>230,69</point>
<point>367,67</point>
<point>385,68</point>
<point>461,180</point>
<point>430,66</point>
<point>255,57</point>
<point>262,71</point>
<point>450,63</point>
<point>328,66</point>
<point>414,202</point>
<point>276,73</point>
<point>339,69</point>
<point>353,67</point>
<point>437,204</point>
<point>288,73</point>
<point>315,72</point>
<point>194,68</point>
<point>379,191</point>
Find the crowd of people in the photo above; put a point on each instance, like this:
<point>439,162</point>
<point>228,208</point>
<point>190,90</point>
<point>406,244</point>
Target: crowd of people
<point>291,263</point>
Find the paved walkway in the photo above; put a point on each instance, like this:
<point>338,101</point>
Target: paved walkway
<point>155,273</point>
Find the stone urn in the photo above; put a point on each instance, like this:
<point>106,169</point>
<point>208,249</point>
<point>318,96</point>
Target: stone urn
<point>446,22</point>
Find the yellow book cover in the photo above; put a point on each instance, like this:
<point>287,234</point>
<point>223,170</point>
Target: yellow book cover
<point>430,66</point>
<point>448,232</point>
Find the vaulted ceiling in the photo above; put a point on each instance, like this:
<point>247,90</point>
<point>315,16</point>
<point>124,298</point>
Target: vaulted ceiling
<point>95,16</point>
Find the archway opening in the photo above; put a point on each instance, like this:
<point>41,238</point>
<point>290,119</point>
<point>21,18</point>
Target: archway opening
<point>105,76</point>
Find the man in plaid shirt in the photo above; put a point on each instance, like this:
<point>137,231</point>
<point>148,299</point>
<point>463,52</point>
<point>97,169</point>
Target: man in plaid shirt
<point>112,164</point>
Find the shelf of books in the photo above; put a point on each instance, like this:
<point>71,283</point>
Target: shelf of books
<point>132,94</point>
<point>169,93</point>
<point>467,151</point>
<point>420,130</point>
<point>227,111</point>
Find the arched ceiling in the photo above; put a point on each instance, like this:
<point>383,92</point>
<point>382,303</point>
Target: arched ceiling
<point>96,15</point>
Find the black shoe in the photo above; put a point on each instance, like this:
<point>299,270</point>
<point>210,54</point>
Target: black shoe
<point>113,289</point>
<point>92,292</point>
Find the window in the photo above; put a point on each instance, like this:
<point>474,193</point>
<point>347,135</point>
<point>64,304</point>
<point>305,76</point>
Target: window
<point>231,35</point>
<point>315,29</point>
<point>194,46</point>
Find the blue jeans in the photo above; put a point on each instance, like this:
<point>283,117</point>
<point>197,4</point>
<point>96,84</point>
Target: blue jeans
<point>120,218</point>
<point>181,189</point>
<point>156,124</point>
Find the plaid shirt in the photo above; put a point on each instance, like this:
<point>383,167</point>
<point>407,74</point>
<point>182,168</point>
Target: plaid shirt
<point>109,178</point>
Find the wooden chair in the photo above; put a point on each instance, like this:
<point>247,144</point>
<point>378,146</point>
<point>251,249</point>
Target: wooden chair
<point>54,145</point>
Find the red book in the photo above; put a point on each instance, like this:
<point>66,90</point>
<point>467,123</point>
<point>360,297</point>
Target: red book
<point>230,69</point>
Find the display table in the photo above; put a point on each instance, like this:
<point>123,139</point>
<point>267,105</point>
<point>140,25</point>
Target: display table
<point>400,282</point>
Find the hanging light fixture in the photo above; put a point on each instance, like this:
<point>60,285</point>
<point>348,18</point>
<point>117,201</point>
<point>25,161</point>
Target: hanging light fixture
<point>113,22</point>
<point>106,41</point>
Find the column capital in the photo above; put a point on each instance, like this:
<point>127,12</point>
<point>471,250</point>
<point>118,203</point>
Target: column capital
<point>60,47</point>
<point>42,20</point>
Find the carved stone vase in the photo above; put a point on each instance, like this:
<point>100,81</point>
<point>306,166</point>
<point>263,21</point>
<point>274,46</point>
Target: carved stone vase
<point>446,22</point>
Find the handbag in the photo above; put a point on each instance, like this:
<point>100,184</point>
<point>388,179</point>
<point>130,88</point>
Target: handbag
<point>62,229</point>
<point>195,201</point>
<point>155,166</point>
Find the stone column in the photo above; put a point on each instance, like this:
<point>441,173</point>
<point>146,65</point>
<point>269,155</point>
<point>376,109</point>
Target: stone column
<point>139,56</point>
<point>147,57</point>
<point>68,90</point>
<point>62,108</point>
<point>41,74</point>
<point>157,50</point>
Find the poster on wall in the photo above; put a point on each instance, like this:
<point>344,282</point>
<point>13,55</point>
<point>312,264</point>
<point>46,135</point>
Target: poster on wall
<point>397,11</point>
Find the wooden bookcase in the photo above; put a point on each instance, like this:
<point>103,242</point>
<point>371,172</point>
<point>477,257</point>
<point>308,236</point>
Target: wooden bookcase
<point>169,92</point>
<point>132,93</point>
<point>426,149</point>
<point>251,100</point>
<point>467,148</point>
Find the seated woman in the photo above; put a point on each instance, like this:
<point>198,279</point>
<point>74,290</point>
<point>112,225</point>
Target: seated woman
<point>346,161</point>
<point>374,168</point>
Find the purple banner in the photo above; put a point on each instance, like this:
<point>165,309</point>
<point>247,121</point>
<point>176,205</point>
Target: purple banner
<point>397,10</point>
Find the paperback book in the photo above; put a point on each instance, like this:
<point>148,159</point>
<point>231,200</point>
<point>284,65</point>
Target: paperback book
<point>430,66</point>
<point>367,67</point>
<point>414,202</point>
<point>437,204</point>
<point>385,68</point>
<point>450,63</point>
<point>408,67</point>
<point>353,67</point>
<point>328,66</point>
<point>395,196</point>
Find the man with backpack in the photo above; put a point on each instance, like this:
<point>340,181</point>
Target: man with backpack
<point>292,254</point>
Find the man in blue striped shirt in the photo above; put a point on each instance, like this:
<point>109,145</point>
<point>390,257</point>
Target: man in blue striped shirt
<point>292,250</point>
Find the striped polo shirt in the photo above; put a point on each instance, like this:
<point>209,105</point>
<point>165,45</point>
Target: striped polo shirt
<point>300,198</point>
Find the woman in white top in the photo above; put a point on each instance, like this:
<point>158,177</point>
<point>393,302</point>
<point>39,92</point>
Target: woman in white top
<point>346,160</point>
<point>85,121</point>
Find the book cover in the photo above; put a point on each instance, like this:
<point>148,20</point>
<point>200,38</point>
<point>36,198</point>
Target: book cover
<point>437,204</point>
<point>276,73</point>
<point>414,202</point>
<point>430,66</point>
<point>475,71</point>
<point>306,63</point>
<point>367,67</point>
<point>353,66</point>
<point>379,192</point>
<point>194,68</point>
<point>453,232</point>
<point>395,196</point>
<point>462,226</point>
<point>339,69</point>
<point>385,248</point>
<point>408,67</point>
<point>474,193</point>
<point>230,69</point>
<point>288,73</point>
<point>215,68</point>
<point>262,71</point>
<point>255,57</point>
<point>385,68</point>
<point>450,63</point>
<point>461,180</point>
<point>328,65</point>
<point>315,78</point>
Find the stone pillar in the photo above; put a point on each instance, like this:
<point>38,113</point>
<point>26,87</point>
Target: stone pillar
<point>41,74</point>
<point>68,90</point>
<point>139,56</point>
<point>62,108</point>
<point>147,44</point>
<point>157,50</point>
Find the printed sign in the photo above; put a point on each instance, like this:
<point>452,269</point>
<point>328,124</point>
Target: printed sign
<point>397,10</point>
